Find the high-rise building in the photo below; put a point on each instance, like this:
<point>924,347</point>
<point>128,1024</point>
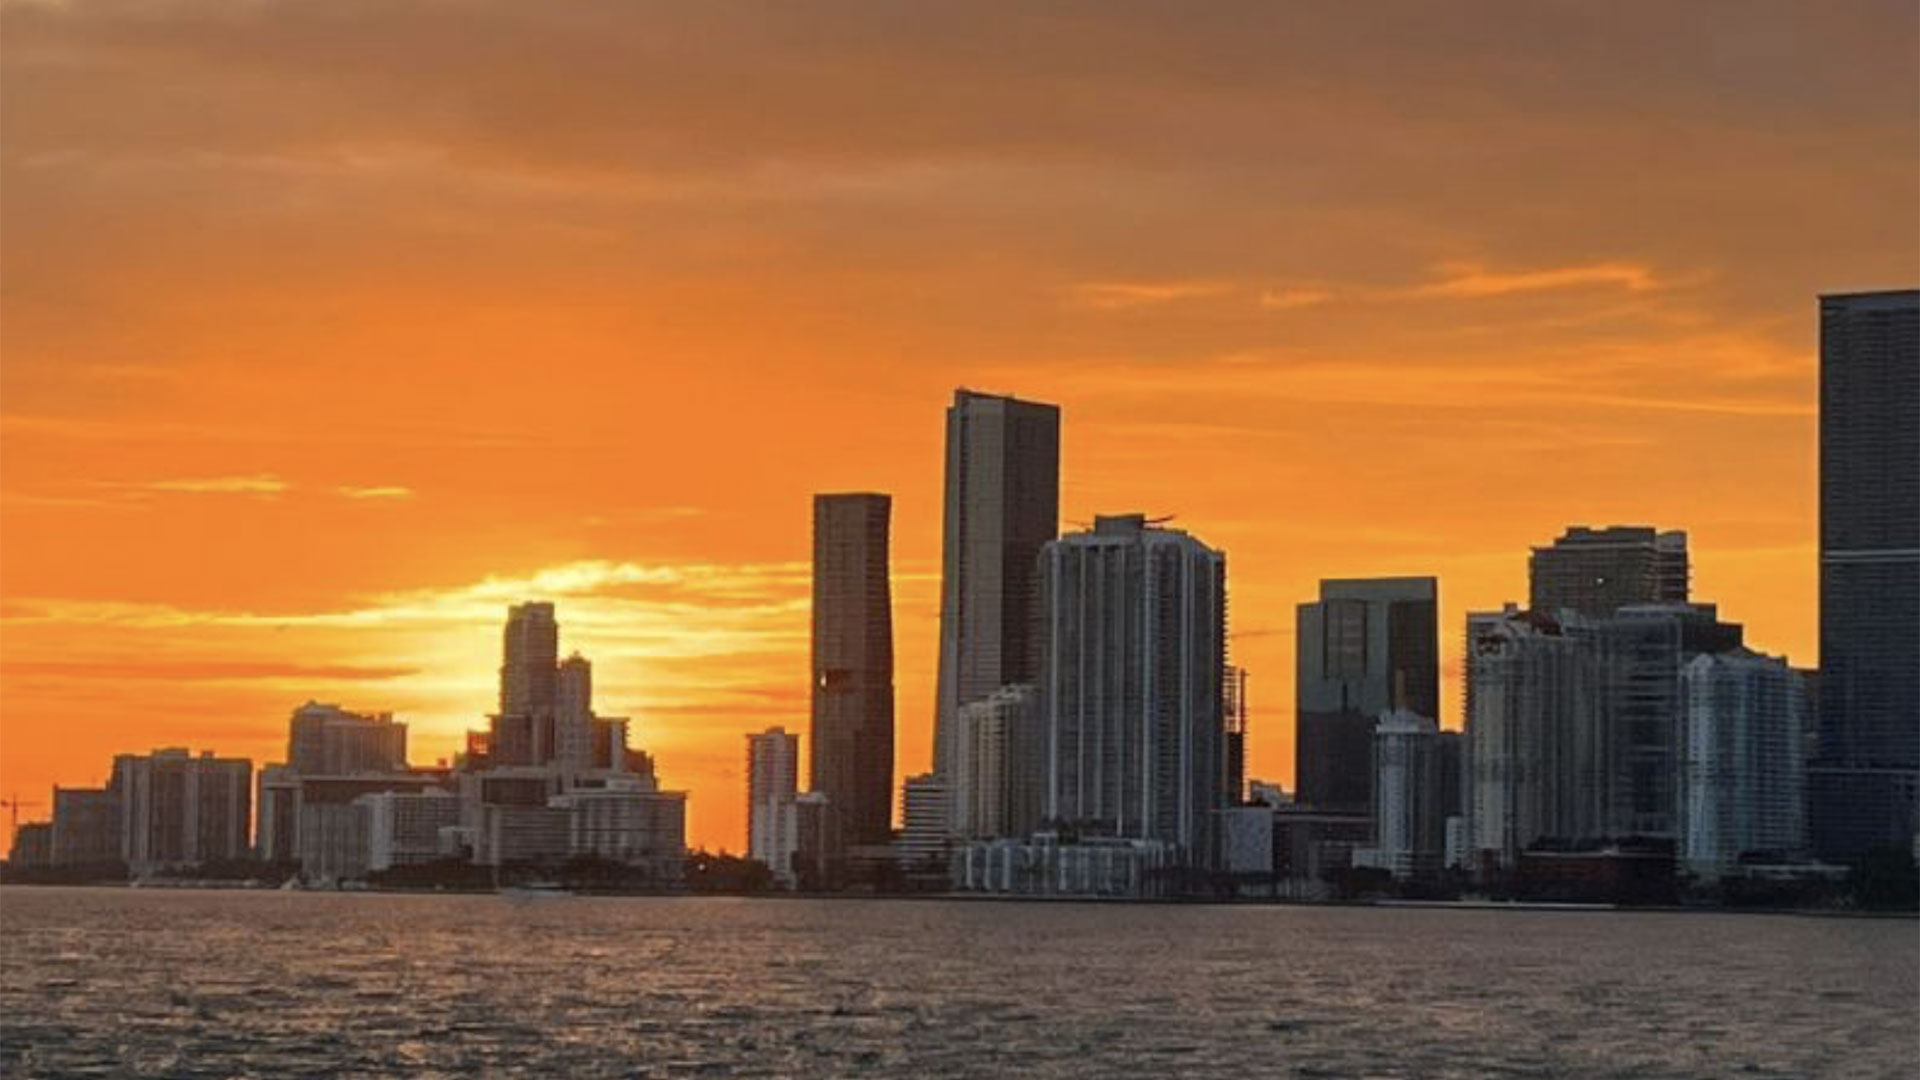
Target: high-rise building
<point>998,774</point>
<point>1741,770</point>
<point>1002,504</point>
<point>573,728</point>
<point>1409,826</point>
<point>523,730</point>
<point>1234,702</point>
<point>1574,724</point>
<point>1865,778</point>
<point>1133,656</point>
<point>327,740</point>
<point>405,828</point>
<point>852,732</point>
<point>181,810</point>
<point>773,773</point>
<point>86,827</point>
<point>1598,571</point>
<point>1367,646</point>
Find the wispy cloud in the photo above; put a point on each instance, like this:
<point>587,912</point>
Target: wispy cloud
<point>1119,295</point>
<point>265,485</point>
<point>1472,280</point>
<point>389,492</point>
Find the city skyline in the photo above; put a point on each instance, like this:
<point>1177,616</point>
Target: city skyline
<point>312,453</point>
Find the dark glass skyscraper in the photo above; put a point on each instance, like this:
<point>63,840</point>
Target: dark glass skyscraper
<point>1367,646</point>
<point>1596,572</point>
<point>1002,506</point>
<point>852,762</point>
<point>1863,782</point>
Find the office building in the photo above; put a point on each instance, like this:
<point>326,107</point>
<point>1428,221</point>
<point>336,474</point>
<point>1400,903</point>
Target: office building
<point>523,730</point>
<point>628,821</point>
<point>1367,646</point>
<point>852,730</point>
<point>817,849</point>
<point>1234,702</point>
<point>1596,572</point>
<point>277,815</point>
<point>1002,503</point>
<point>773,773</point>
<point>327,740</point>
<point>1867,771</point>
<point>573,727</point>
<point>1741,770</point>
<point>1133,656</point>
<point>178,810</point>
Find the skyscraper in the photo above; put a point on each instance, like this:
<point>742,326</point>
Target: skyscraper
<point>852,760</point>
<point>1741,771</point>
<point>523,731</point>
<point>1865,778</point>
<point>181,810</point>
<point>1368,646</point>
<point>998,766</point>
<point>1409,823</point>
<point>573,742</point>
<point>773,769</point>
<point>1134,651</point>
<point>327,740</point>
<point>1002,504</point>
<point>1599,571</point>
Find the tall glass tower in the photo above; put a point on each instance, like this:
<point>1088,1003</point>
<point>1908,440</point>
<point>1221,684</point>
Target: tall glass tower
<point>1867,769</point>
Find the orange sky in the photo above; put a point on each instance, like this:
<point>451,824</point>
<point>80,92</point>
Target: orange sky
<point>330,330</point>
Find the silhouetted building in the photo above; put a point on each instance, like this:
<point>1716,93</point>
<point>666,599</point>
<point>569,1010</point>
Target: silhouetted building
<point>628,821</point>
<point>1598,571</point>
<point>1002,504</point>
<point>773,773</point>
<point>1865,778</point>
<point>852,754</point>
<point>32,846</point>
<point>327,740</point>
<point>1134,651</point>
<point>86,827</point>
<point>1368,646</point>
<point>523,730</point>
<point>177,810</point>
<point>573,714</point>
<point>406,828</point>
<point>817,849</point>
<point>1741,771</point>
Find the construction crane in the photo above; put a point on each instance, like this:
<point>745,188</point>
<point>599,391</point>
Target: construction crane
<point>14,806</point>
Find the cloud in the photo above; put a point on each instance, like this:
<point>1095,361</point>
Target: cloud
<point>1119,295</point>
<point>1289,299</point>
<point>265,485</point>
<point>199,670</point>
<point>391,492</point>
<point>1469,280</point>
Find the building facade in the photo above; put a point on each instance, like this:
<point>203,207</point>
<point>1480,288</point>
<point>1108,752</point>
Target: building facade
<point>1367,646</point>
<point>1002,504</point>
<point>327,740</point>
<point>1867,772</point>
<point>852,727</point>
<point>178,810</point>
<point>1133,657</point>
<point>1409,821</point>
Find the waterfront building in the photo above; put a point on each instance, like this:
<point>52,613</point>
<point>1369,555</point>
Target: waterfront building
<point>1290,851</point>
<point>1046,865</point>
<point>1234,706</point>
<point>1409,823</point>
<point>1741,770</point>
<point>1596,572</point>
<point>1002,503</point>
<point>573,729</point>
<point>510,835</point>
<point>997,779</point>
<point>523,730</point>
<point>406,828</point>
<point>32,846</point>
<point>277,815</point>
<point>332,833</point>
<point>1133,655</point>
<point>86,827</point>
<point>817,848</point>
<point>925,829</point>
<point>773,767</point>
<point>327,740</point>
<point>1367,646</point>
<point>178,810</point>
<point>852,721</point>
<point>1866,774</point>
<point>628,821</point>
